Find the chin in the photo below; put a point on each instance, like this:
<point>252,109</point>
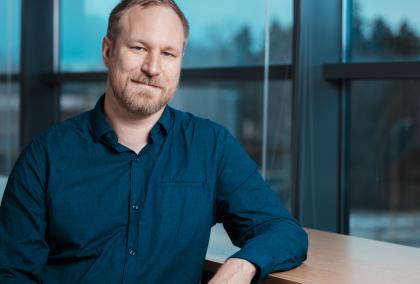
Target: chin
<point>147,106</point>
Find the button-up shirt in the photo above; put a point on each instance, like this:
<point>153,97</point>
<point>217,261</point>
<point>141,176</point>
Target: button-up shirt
<point>81,208</point>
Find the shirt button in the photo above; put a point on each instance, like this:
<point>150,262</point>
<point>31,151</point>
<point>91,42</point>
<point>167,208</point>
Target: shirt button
<point>132,252</point>
<point>136,160</point>
<point>136,207</point>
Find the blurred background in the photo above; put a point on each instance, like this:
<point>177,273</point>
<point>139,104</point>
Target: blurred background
<point>323,95</point>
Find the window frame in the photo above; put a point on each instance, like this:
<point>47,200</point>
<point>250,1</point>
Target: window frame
<point>319,140</point>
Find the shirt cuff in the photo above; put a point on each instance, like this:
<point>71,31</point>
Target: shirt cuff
<point>264,264</point>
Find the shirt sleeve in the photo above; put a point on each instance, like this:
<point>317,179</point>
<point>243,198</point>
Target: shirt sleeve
<point>253,216</point>
<point>23,249</point>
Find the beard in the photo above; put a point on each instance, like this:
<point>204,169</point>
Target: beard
<point>136,98</point>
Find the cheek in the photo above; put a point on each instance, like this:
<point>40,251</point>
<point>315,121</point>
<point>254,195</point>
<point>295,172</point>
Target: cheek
<point>174,73</point>
<point>128,63</point>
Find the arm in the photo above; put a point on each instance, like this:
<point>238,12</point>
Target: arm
<point>23,249</point>
<point>235,271</point>
<point>256,221</point>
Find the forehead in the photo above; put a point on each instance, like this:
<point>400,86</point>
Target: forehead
<point>155,25</point>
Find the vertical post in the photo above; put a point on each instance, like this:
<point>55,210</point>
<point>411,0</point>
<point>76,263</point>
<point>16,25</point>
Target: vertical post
<point>39,102</point>
<point>296,114</point>
<point>317,114</point>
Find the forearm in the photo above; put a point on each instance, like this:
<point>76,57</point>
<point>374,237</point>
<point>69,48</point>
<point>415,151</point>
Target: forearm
<point>234,271</point>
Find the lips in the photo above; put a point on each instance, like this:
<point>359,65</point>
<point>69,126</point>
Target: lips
<point>146,84</point>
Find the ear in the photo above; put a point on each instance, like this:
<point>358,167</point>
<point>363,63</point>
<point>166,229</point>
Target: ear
<point>106,50</point>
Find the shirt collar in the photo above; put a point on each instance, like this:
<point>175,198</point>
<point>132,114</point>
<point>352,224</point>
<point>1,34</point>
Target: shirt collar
<point>101,127</point>
<point>165,120</point>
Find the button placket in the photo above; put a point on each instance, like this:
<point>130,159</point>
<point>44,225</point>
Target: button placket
<point>138,169</point>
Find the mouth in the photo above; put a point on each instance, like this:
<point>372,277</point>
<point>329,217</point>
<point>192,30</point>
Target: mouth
<point>145,84</point>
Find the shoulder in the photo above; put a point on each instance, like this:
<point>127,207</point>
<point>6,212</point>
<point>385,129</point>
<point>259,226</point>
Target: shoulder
<point>188,123</point>
<point>77,127</point>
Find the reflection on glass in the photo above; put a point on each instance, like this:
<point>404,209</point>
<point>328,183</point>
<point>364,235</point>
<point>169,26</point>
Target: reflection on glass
<point>220,36</point>
<point>389,31</point>
<point>237,106</point>
<point>385,161</point>
<point>9,126</point>
<point>10,35</point>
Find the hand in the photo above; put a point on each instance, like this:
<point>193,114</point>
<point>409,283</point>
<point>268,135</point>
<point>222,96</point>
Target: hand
<point>234,271</point>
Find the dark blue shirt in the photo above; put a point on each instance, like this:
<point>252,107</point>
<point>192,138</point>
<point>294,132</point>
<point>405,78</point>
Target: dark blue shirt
<point>81,208</point>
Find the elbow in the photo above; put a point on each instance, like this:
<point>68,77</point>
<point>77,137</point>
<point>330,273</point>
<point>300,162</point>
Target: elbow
<point>301,246</point>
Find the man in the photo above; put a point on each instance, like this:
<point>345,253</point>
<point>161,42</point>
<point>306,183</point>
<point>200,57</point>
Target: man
<point>128,192</point>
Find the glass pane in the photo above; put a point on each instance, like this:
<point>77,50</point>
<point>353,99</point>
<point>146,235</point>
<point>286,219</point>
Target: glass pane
<point>388,31</point>
<point>385,161</point>
<point>237,106</point>
<point>10,33</point>
<point>77,98</point>
<point>219,37</point>
<point>9,126</point>
<point>10,17</point>
<point>83,24</point>
<point>224,37</point>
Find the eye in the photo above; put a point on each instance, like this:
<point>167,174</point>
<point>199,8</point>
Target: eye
<point>138,48</point>
<point>168,54</point>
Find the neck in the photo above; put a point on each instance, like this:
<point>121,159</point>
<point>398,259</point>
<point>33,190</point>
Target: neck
<point>133,130</point>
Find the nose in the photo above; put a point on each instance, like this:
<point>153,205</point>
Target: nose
<point>151,65</point>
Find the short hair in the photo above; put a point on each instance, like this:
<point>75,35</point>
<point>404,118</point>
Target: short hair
<point>125,5</point>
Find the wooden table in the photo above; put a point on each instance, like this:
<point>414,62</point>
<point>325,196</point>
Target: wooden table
<point>334,258</point>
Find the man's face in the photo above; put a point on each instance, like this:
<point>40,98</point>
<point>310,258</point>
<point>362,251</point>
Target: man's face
<point>144,62</point>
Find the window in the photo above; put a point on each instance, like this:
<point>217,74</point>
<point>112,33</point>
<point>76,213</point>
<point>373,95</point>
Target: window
<point>389,31</point>
<point>384,141</point>
<point>219,37</point>
<point>223,37</point>
<point>385,161</point>
<point>9,89</point>
<point>82,27</point>
<point>10,31</point>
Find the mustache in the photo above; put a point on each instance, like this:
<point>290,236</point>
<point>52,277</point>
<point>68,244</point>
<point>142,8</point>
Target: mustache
<point>154,82</point>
